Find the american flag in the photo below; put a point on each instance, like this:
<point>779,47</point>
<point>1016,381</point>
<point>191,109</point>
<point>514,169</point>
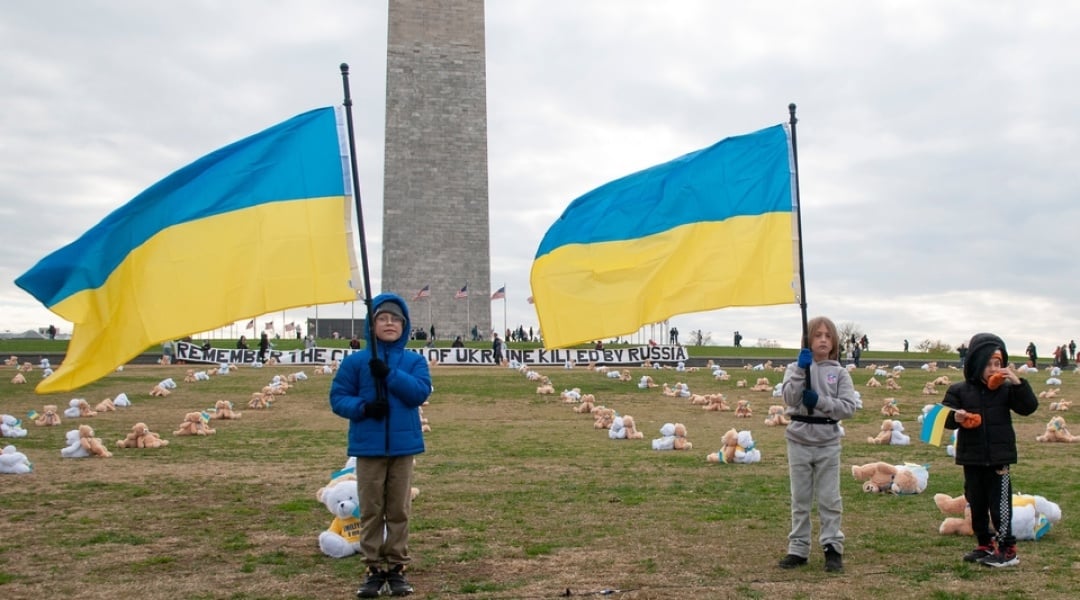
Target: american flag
<point>423,293</point>
<point>269,326</point>
<point>251,324</point>
<point>462,293</point>
<point>290,327</point>
<point>499,293</point>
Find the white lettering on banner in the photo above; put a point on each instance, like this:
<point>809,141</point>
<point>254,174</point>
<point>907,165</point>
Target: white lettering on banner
<point>634,355</point>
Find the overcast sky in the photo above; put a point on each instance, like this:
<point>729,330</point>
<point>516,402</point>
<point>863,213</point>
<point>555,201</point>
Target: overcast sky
<point>938,141</point>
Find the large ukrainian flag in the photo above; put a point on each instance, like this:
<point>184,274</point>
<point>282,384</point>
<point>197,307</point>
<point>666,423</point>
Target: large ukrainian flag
<point>708,230</point>
<point>261,225</point>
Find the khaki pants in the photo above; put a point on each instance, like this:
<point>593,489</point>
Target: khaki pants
<point>813,469</point>
<point>384,486</point>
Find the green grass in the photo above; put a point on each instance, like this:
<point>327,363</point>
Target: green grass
<point>520,497</point>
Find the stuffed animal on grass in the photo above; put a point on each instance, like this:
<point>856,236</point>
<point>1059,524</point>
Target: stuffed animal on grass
<point>121,400</point>
<point>666,441</point>
<point>105,405</point>
<point>681,443</point>
<point>736,447</point>
<point>79,407</point>
<point>14,462</point>
<point>777,416</point>
<point>1056,431</point>
<point>195,423</point>
<point>19,378</point>
<point>223,409</point>
<point>82,444</point>
<point>1032,516</point>
<point>49,417</point>
<point>890,408</point>
<point>10,427</point>
<point>882,477</point>
<point>743,410</point>
<point>341,498</point>
<point>140,436</point>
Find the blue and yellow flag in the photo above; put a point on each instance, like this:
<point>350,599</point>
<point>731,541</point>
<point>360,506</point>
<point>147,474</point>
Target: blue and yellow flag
<point>708,230</point>
<point>933,425</point>
<point>261,225</point>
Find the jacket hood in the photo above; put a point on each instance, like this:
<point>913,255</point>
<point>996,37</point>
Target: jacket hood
<point>980,349</point>
<point>405,329</point>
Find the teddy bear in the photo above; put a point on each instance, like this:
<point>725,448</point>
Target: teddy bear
<point>745,448</point>
<point>726,453</point>
<point>49,417</point>
<point>1061,405</point>
<point>603,417</point>
<point>777,416</point>
<point>1032,516</point>
<point>632,432</point>
<point>899,438</point>
<point>743,410</point>
<point>158,391</point>
<point>140,436</point>
<point>260,400</point>
<point>195,423</point>
<point>223,409</point>
<point>74,448</point>
<point>121,400</point>
<point>79,407</point>
<point>14,462</point>
<point>950,505</point>
<point>666,441</point>
<point>890,408</point>
<point>681,443</point>
<point>617,431</point>
<point>1056,431</point>
<point>341,498</point>
<point>82,443</point>
<point>105,405</point>
<point>910,478</point>
<point>11,427</point>
<point>885,436</point>
<point>19,378</point>
<point>716,402</point>
<point>588,404</point>
<point>877,477</point>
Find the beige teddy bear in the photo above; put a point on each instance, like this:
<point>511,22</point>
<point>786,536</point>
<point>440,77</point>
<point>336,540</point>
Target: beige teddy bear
<point>194,424</point>
<point>885,435</point>
<point>890,407</point>
<point>1056,431</point>
<point>877,477</point>
<point>743,410</point>
<point>140,436</point>
<point>777,416</point>
<point>223,409</point>
<point>92,444</point>
<point>681,443</point>
<point>950,505</point>
<point>49,417</point>
<point>631,429</point>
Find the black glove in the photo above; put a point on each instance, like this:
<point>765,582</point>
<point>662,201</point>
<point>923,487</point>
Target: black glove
<point>379,370</point>
<point>809,399</point>
<point>376,409</point>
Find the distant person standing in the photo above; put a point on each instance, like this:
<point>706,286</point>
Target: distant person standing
<point>962,351</point>
<point>738,340</point>
<point>458,343</point>
<point>1072,349</point>
<point>264,346</point>
<point>674,336</point>
<point>905,345</point>
<point>496,349</point>
<point>241,344</point>
<point>354,343</point>
<point>1033,354</point>
<point>52,333</point>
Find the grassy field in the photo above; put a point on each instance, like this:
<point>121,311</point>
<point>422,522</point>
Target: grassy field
<point>520,497</point>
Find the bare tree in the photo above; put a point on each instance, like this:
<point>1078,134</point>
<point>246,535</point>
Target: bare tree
<point>849,330</point>
<point>934,346</point>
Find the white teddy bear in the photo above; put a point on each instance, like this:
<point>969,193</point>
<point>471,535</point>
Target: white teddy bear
<point>11,427</point>
<point>74,447</point>
<point>121,400</point>
<point>617,431</point>
<point>14,462</point>
<point>667,441</point>
<point>342,499</point>
<point>745,451</point>
<point>899,438</point>
<point>73,411</point>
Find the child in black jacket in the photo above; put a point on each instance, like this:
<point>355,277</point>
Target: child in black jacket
<point>986,443</point>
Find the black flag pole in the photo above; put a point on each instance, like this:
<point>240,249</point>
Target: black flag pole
<point>798,224</point>
<point>370,334</point>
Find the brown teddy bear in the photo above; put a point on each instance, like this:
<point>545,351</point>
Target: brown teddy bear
<point>777,416</point>
<point>743,410</point>
<point>140,436</point>
<point>885,435</point>
<point>223,409</point>
<point>877,477</point>
<point>48,417</point>
<point>890,408</point>
<point>957,505</point>
<point>588,404</point>
<point>105,405</point>
<point>681,443</point>
<point>18,378</point>
<point>728,444</point>
<point>631,429</point>
<point>260,400</point>
<point>194,424</point>
<point>1056,431</point>
<point>92,444</point>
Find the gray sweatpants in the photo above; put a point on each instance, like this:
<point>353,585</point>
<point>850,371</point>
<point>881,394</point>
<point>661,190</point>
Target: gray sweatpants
<point>814,469</point>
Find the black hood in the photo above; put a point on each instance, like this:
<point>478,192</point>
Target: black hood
<point>980,349</point>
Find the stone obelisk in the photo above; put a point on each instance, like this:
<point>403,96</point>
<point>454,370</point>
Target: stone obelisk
<point>435,193</point>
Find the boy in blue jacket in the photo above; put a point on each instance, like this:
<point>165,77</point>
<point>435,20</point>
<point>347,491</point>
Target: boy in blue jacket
<point>379,390</point>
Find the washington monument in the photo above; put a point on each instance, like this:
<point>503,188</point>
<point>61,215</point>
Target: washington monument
<point>435,196</point>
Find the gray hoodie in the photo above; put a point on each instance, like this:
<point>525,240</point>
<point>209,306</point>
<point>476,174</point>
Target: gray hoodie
<point>836,401</point>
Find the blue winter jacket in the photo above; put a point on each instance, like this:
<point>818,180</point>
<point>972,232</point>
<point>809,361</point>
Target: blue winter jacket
<point>408,386</point>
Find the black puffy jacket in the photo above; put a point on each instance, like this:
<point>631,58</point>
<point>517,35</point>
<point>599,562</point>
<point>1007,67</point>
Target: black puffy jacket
<point>994,441</point>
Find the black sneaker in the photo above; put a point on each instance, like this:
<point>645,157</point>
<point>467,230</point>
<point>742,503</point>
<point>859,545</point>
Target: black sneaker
<point>979,553</point>
<point>834,561</point>
<point>1004,557</point>
<point>791,561</point>
<point>373,585</point>
<point>395,578</point>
